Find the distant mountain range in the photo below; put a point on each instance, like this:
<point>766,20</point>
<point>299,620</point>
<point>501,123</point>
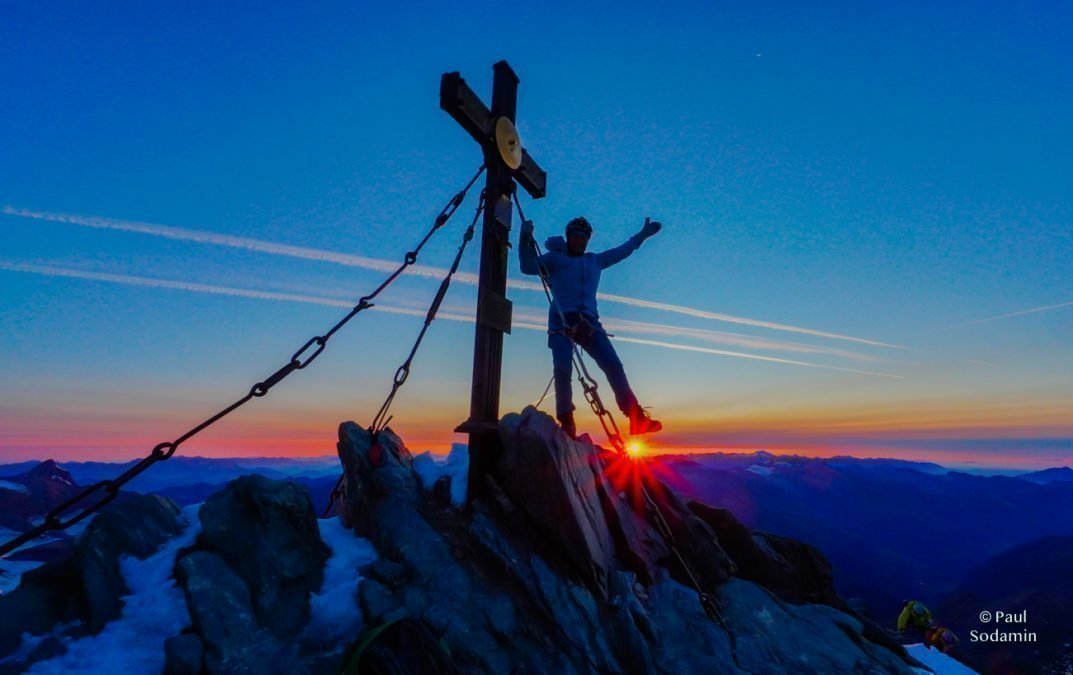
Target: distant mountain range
<point>179,471</point>
<point>29,490</point>
<point>1059,474</point>
<point>33,492</point>
<point>1034,578</point>
<point>892,529</point>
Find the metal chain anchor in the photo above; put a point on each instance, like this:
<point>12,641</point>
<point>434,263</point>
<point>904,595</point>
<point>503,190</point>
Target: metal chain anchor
<point>110,488</point>
<point>380,421</point>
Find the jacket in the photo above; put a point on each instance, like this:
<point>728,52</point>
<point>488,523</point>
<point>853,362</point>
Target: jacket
<point>573,278</point>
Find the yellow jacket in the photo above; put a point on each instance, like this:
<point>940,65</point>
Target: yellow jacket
<point>909,617</point>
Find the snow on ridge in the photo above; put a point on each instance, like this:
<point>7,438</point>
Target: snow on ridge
<point>11,571</point>
<point>429,470</point>
<point>335,615</point>
<point>154,611</point>
<point>14,487</point>
<point>940,663</point>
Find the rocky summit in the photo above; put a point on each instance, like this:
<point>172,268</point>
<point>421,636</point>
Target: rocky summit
<point>561,570</point>
<point>563,567</point>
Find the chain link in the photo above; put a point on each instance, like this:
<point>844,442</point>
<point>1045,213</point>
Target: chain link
<point>164,451</point>
<point>380,421</point>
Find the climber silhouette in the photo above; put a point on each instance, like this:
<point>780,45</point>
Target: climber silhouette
<point>915,620</point>
<point>574,276</point>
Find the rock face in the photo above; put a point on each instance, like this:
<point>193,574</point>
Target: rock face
<point>560,570</point>
<point>85,587</point>
<point>562,567</point>
<point>137,528</point>
<point>249,576</point>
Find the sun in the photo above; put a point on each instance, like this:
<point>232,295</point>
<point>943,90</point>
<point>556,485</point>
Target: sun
<point>635,447</point>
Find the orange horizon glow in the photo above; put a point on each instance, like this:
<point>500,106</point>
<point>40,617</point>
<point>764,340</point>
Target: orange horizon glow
<point>61,447</point>
<point>97,431</point>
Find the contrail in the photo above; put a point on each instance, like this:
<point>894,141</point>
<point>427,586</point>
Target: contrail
<point>50,270</point>
<point>721,352</point>
<point>690,311</point>
<point>381,265</point>
<point>612,324</point>
<point>736,339</point>
<point>1033,310</point>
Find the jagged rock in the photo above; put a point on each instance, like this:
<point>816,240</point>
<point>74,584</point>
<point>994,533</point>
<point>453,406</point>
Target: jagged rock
<point>551,477</point>
<point>637,544</point>
<point>223,615</point>
<point>46,596</point>
<point>136,526</point>
<point>505,586</point>
<point>694,540</point>
<point>376,601</point>
<point>802,575</point>
<point>455,597</point>
<point>793,570</point>
<point>183,655</point>
<point>389,573</point>
<point>405,646</point>
<point>266,532</point>
<point>441,489</point>
<point>87,585</point>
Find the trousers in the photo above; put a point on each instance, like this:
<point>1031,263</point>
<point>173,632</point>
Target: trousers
<point>598,346</point>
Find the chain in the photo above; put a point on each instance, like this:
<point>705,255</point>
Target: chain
<point>103,492</point>
<point>588,384</point>
<point>607,420</point>
<point>380,421</point>
<point>403,371</point>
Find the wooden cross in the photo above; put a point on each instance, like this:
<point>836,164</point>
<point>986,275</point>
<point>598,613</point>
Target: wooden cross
<point>493,307</point>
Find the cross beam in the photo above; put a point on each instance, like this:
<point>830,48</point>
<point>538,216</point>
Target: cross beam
<point>493,307</point>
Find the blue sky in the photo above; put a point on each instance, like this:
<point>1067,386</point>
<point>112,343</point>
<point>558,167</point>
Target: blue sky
<point>892,173</point>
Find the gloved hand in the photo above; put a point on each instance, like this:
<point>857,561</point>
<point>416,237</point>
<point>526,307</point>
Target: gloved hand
<point>651,227</point>
<point>527,229</point>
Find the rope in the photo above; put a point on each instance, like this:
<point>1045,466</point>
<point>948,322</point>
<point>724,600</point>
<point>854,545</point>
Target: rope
<point>380,421</point>
<point>109,489</point>
<point>546,390</point>
<point>588,384</point>
<point>615,438</point>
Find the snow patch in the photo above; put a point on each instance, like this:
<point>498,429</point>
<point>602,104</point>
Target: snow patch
<point>14,487</point>
<point>761,470</point>
<point>335,613</point>
<point>11,572</point>
<point>429,470</point>
<point>937,661</point>
<point>154,611</point>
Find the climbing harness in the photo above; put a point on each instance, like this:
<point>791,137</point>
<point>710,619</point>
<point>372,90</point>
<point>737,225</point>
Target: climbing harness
<point>380,421</point>
<point>109,489</point>
<point>607,420</point>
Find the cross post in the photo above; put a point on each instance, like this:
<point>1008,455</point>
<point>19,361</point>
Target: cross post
<point>493,307</point>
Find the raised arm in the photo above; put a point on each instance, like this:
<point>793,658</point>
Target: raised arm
<point>619,253</point>
<point>527,255</point>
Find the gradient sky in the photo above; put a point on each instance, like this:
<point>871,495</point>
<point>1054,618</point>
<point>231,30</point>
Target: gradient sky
<point>877,200</point>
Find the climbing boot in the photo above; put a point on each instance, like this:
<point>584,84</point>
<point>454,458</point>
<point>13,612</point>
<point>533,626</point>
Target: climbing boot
<point>567,423</point>
<point>641,423</point>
